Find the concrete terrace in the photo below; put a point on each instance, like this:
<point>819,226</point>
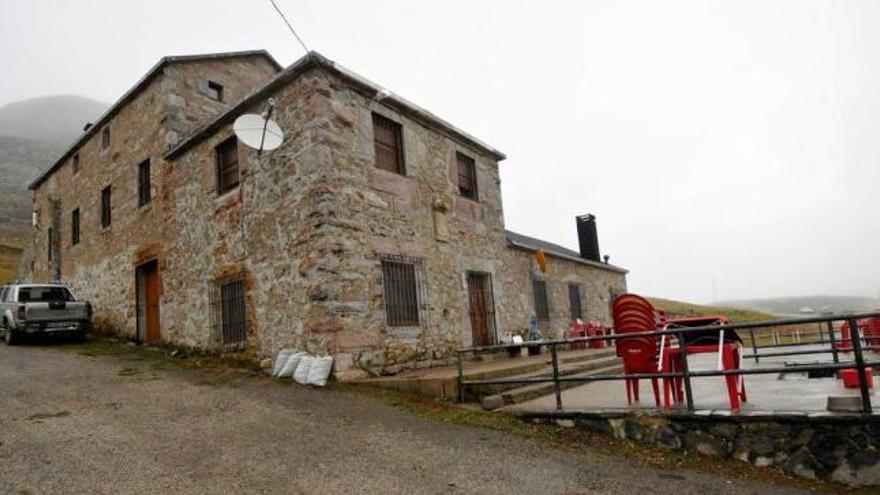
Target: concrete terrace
<point>767,393</point>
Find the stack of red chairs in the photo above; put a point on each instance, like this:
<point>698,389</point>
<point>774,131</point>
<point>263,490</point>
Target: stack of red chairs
<point>634,314</point>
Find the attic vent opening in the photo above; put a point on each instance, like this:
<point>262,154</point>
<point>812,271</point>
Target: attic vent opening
<point>215,90</point>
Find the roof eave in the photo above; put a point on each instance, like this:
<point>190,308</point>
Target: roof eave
<point>359,82</point>
<point>134,90</point>
<point>591,263</point>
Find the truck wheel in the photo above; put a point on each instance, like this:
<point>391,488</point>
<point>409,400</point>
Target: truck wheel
<point>10,336</point>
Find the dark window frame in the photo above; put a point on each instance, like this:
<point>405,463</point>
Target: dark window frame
<point>224,167</point>
<point>50,235</point>
<point>105,137</point>
<point>403,291</point>
<point>74,227</point>
<point>106,206</point>
<point>215,90</point>
<point>576,301</point>
<point>467,178</point>
<point>229,310</point>
<point>388,145</point>
<point>144,183</point>
<point>541,300</point>
<point>75,163</point>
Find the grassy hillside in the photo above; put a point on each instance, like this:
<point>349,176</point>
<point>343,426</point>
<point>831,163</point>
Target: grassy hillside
<point>678,308</point>
<point>819,304</point>
<point>9,256</point>
<point>791,333</point>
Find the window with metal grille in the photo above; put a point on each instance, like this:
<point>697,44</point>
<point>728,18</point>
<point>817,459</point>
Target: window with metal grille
<point>227,165</point>
<point>105,138</point>
<point>144,183</point>
<point>105,207</point>
<point>542,303</point>
<point>467,176</point>
<point>402,278</point>
<point>75,164</point>
<point>74,227</point>
<point>388,144</point>
<point>574,301</point>
<point>229,310</point>
<point>215,90</point>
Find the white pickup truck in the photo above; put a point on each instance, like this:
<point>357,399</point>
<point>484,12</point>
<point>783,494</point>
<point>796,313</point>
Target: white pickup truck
<point>42,309</point>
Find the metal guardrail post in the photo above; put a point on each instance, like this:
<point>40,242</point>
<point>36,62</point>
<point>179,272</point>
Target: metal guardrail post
<point>860,365</point>
<point>833,342</point>
<point>754,345</point>
<point>688,392</point>
<point>556,385</point>
<point>821,334</point>
<point>460,380</point>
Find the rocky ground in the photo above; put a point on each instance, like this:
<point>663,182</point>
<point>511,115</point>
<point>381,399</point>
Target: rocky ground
<point>90,419</point>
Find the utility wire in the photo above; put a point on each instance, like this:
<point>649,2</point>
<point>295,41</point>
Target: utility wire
<point>301,42</point>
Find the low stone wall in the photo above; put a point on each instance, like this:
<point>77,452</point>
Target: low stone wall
<point>842,448</point>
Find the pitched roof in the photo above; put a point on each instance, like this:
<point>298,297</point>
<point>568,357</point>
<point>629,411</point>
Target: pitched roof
<point>134,91</point>
<point>313,59</point>
<point>532,244</point>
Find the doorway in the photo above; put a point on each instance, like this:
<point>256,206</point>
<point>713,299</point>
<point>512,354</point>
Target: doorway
<point>482,309</point>
<point>147,276</point>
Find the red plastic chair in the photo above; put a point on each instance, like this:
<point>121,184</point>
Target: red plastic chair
<point>634,314</point>
<point>845,343</point>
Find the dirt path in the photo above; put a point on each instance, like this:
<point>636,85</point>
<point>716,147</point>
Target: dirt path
<point>74,423</point>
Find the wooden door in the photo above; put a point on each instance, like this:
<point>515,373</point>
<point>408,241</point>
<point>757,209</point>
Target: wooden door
<point>481,309</point>
<point>148,301</point>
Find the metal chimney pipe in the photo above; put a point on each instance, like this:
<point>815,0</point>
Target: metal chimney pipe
<point>588,238</point>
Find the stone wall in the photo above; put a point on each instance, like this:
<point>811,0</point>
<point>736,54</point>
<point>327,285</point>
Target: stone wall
<point>517,304</point>
<point>842,448</point>
<point>101,268</point>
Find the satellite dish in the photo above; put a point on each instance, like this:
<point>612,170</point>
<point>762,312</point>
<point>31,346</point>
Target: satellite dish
<point>259,132</point>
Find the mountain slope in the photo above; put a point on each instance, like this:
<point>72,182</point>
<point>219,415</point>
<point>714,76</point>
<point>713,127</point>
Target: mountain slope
<point>57,119</point>
<point>818,304</point>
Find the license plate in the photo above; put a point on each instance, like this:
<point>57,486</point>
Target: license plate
<point>57,324</point>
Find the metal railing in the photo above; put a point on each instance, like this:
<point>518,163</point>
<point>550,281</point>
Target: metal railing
<point>859,361</point>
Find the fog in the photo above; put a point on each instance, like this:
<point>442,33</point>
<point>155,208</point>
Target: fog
<point>728,149</point>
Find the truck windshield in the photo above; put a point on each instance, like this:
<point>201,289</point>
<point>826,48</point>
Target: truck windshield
<point>44,294</point>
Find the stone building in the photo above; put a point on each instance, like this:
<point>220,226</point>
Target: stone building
<point>374,233</point>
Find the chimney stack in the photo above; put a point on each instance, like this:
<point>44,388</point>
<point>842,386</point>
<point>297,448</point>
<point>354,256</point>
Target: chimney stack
<point>588,238</point>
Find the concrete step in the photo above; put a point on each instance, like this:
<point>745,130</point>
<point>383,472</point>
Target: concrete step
<point>573,367</point>
<point>536,390</point>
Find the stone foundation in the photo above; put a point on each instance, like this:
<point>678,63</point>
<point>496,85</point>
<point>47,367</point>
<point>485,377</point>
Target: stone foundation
<point>841,448</point>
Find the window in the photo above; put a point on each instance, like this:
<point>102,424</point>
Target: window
<point>574,301</point>
<point>144,183</point>
<point>388,144</point>
<point>50,235</point>
<point>48,293</point>
<point>215,90</point>
<point>74,227</point>
<point>75,164</point>
<point>229,310</point>
<point>467,176</point>
<point>227,165</point>
<point>401,278</point>
<point>542,304</point>
<point>105,207</point>
<point>105,138</point>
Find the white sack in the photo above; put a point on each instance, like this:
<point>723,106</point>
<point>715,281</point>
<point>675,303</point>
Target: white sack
<point>290,365</point>
<point>281,360</point>
<point>301,375</point>
<point>320,370</point>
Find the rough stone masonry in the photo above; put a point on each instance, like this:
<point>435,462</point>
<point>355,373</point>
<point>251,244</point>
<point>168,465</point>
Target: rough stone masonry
<point>314,245</point>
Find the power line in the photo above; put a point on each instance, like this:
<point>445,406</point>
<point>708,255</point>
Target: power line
<point>301,42</point>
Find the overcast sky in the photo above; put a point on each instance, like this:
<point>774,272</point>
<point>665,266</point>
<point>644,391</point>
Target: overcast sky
<point>721,144</point>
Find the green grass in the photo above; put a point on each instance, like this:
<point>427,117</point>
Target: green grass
<point>787,334</point>
<point>10,254</point>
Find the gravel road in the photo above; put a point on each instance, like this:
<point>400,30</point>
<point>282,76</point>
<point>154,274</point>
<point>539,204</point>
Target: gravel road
<point>73,423</point>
